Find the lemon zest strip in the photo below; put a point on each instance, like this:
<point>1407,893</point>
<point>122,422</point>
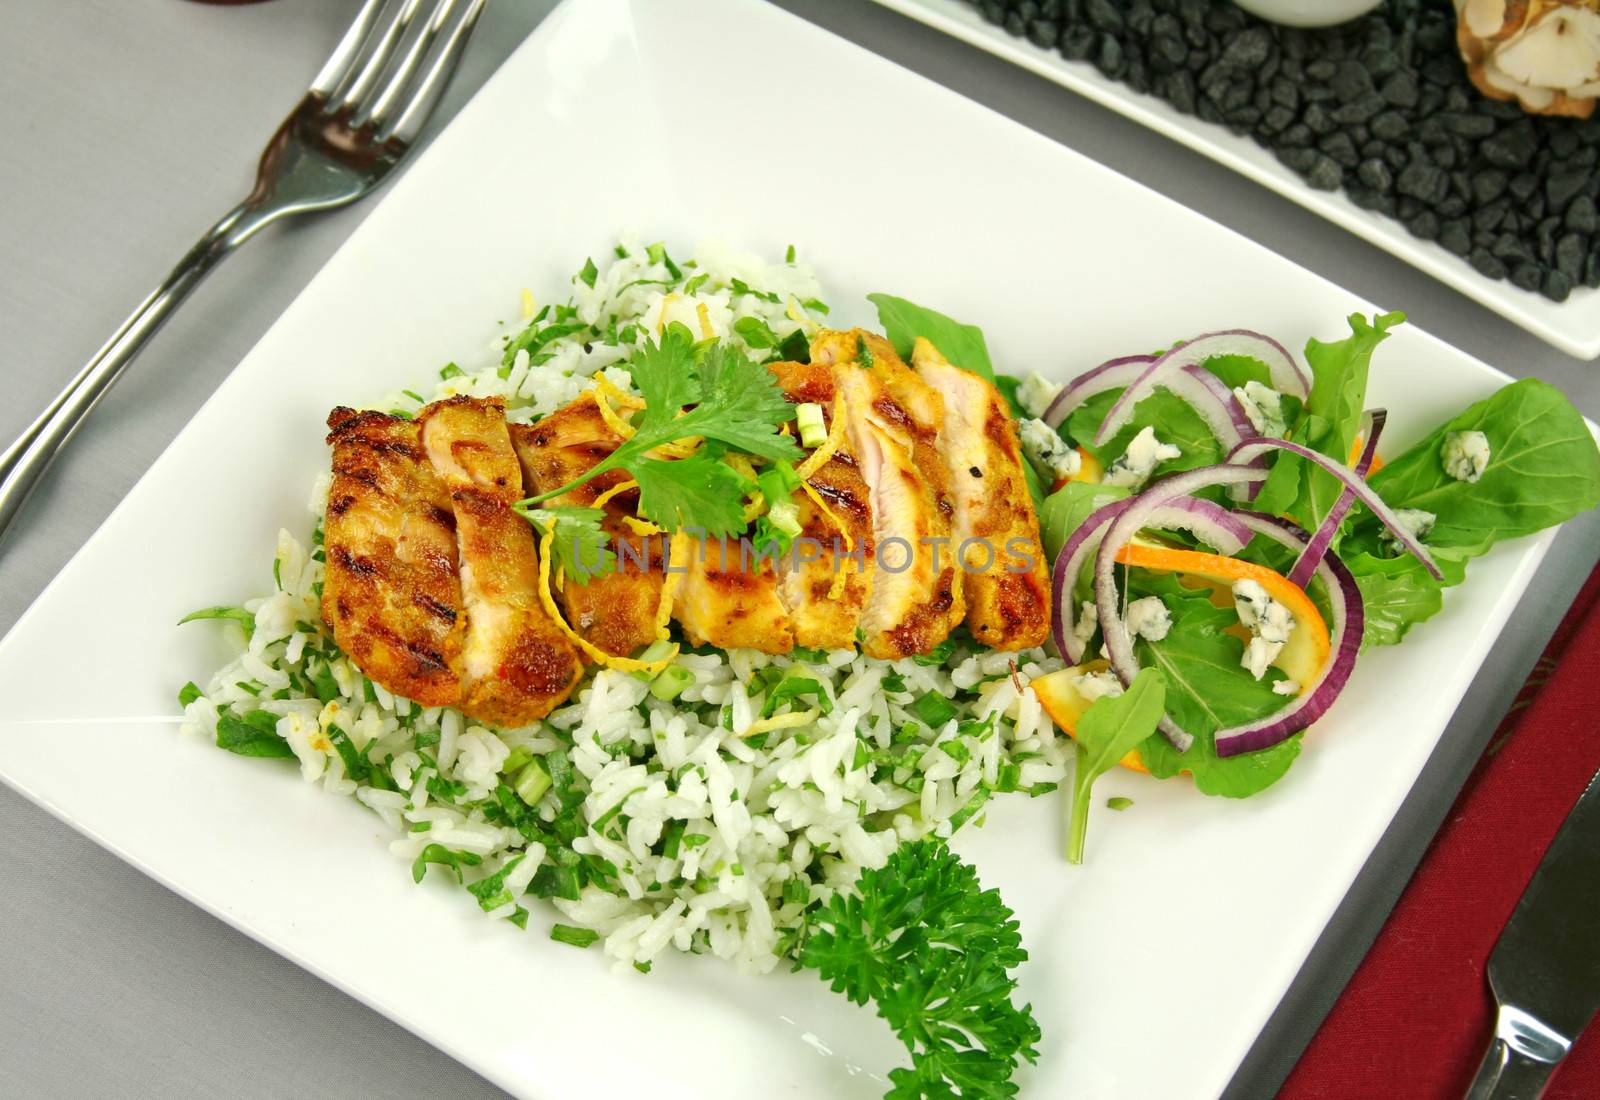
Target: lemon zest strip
<point>593,652</point>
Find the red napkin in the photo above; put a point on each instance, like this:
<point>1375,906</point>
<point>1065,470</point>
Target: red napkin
<point>1417,1014</point>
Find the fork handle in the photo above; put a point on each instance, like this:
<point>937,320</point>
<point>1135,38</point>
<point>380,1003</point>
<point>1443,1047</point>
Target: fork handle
<point>25,460</point>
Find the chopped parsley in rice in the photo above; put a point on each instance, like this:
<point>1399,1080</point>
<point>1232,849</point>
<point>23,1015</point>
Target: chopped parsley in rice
<point>708,817</point>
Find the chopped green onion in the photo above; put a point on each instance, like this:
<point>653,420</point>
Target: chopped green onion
<point>1117,802</point>
<point>576,937</point>
<point>670,682</point>
<point>813,432</point>
<point>514,762</point>
<point>655,651</point>
<point>532,782</point>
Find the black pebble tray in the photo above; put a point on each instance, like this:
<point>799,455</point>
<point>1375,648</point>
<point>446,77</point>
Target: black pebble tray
<point>1380,109</point>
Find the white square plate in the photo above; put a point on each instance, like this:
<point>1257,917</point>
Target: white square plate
<point>1153,967</point>
<point>1573,325</point>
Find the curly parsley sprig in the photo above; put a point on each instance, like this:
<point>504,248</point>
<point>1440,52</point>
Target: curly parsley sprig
<point>713,392</point>
<point>933,950</point>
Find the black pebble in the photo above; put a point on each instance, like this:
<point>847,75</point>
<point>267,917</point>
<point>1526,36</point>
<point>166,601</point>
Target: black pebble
<point>1400,90</point>
<point>1571,251</point>
<point>1425,181</point>
<point>1489,185</point>
<point>1487,264</point>
<point>1582,216</point>
<point>1562,189</point>
<point>1527,276</point>
<point>1376,175</point>
<point>1454,237</point>
<point>1325,174</point>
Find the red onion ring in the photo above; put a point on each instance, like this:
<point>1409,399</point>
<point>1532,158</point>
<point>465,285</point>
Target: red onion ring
<point>1254,448</point>
<point>1344,636</point>
<point>1110,375</point>
<point>1211,523</point>
<point>1287,377</point>
<point>1136,514</point>
<point>1306,564</point>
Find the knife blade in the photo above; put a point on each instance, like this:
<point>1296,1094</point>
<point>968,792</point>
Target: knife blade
<point>1545,968</point>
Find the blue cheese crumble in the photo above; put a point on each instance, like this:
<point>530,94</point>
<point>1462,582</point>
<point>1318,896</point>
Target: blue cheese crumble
<point>1088,622</point>
<point>1145,452</point>
<point>1149,618</point>
<point>1047,451</point>
<point>1035,393</point>
<point>1098,685</point>
<point>1465,455</point>
<point>1263,405</point>
<point>1267,620</point>
<point>1418,524</point>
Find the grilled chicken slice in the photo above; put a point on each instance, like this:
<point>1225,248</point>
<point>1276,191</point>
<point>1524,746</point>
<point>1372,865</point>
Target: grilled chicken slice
<point>893,427</point>
<point>728,598</point>
<point>615,611</point>
<point>390,595</point>
<point>824,583</point>
<point>516,666</point>
<point>995,527</point>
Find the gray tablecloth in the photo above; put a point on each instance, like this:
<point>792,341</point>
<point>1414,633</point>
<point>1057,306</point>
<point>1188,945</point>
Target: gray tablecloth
<point>126,127</point>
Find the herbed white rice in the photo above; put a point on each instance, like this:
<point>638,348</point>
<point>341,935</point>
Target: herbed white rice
<point>665,825</point>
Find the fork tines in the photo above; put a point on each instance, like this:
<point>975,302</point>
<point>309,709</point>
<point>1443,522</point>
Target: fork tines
<point>394,61</point>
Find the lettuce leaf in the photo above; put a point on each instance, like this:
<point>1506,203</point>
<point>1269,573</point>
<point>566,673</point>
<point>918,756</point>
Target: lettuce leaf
<point>1208,690</point>
<point>1543,469</point>
<point>903,321</point>
<point>1174,420</point>
<point>1330,421</point>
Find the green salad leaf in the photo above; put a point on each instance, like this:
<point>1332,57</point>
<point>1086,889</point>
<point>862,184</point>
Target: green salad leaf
<point>904,321</point>
<point>1207,690</point>
<point>921,940</point>
<point>1064,511</point>
<point>1105,733</point>
<point>1329,422</point>
<point>1174,420</point>
<point>1543,469</point>
<point>1397,593</point>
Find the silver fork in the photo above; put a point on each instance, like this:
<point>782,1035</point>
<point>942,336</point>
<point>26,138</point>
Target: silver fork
<point>359,118</point>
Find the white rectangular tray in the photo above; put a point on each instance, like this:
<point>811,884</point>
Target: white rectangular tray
<point>1573,325</point>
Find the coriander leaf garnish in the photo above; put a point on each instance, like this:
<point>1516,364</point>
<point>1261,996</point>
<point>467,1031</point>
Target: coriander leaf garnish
<point>736,404</point>
<point>579,542</point>
<point>697,491</point>
<point>933,951</point>
<point>1108,729</point>
<point>664,372</point>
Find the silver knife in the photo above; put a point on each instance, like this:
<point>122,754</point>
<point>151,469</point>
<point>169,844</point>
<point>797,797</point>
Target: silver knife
<point>1545,969</point>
